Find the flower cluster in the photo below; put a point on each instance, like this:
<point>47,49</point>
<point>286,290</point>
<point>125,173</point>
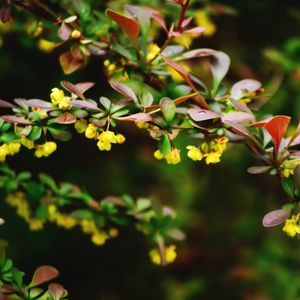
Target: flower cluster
<point>45,149</point>
<point>212,151</point>
<point>169,255</point>
<point>172,158</point>
<point>18,201</point>
<point>9,149</point>
<point>58,98</point>
<point>292,226</point>
<point>105,137</point>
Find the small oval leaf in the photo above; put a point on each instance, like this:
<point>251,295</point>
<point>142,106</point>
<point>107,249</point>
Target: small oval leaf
<point>275,217</point>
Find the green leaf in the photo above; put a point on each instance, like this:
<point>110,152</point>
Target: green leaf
<point>146,98</point>
<point>164,145</point>
<point>47,180</point>
<point>82,214</point>
<point>17,277</point>
<point>8,137</point>
<point>34,190</point>
<point>23,176</point>
<point>35,133</point>
<point>168,108</point>
<point>287,185</point>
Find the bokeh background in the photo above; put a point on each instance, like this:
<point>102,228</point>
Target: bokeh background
<point>227,253</point>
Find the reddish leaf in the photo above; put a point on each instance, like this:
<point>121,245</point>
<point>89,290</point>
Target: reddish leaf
<point>124,90</point>
<point>240,106</point>
<point>84,104</point>
<point>195,30</point>
<point>72,88</point>
<point>186,22</point>
<point>57,291</point>
<point>130,26</point>
<point>180,70</point>
<point>39,103</point>
<point>15,120</point>
<point>43,274</point>
<point>160,20</point>
<point>239,128</point>
<point>198,114</point>
<point>139,117</point>
<point>5,104</point>
<point>276,217</point>
<point>66,118</point>
<point>71,60</point>
<point>238,117</point>
<point>277,127</point>
<point>64,31</point>
<point>84,86</point>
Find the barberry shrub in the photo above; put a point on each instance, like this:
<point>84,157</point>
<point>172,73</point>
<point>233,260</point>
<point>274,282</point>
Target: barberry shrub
<point>148,60</point>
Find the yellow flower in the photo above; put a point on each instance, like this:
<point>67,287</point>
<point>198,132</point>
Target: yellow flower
<point>194,153</point>
<point>29,144</point>
<point>64,103</point>
<point>99,238</point>
<point>65,221</point>
<point>88,226</point>
<point>142,125</point>
<point>212,158</point>
<point>80,125</point>
<point>120,138</point>
<point>186,39</point>
<point>292,226</point>
<point>173,157</point>
<point>43,114</point>
<point>45,149</point>
<point>46,46</point>
<point>56,95</point>
<point>169,253</point>
<point>76,34</point>
<point>3,152</point>
<point>202,19</point>
<point>52,212</point>
<point>288,167</point>
<point>13,148</point>
<point>106,138</point>
<point>91,131</point>
<point>18,201</point>
<point>36,224</point>
<point>152,51</point>
<point>113,232</point>
<point>175,76</point>
<point>158,155</point>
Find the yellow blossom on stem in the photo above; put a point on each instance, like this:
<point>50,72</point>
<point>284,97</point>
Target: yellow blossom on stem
<point>56,95</point>
<point>113,232</point>
<point>46,46</point>
<point>29,144</point>
<point>194,153</point>
<point>91,131</point>
<point>152,51</point>
<point>120,138</point>
<point>142,125</point>
<point>288,167</point>
<point>158,155</point>
<point>212,158</point>
<point>202,19</point>
<point>292,226</point>
<point>80,125</point>
<point>99,238</point>
<point>45,149</point>
<point>64,103</point>
<point>173,157</point>
<point>13,148</point>
<point>52,212</point>
<point>66,221</point>
<point>76,34</point>
<point>88,226</point>
<point>169,253</point>
<point>36,224</point>
<point>3,152</point>
<point>106,138</point>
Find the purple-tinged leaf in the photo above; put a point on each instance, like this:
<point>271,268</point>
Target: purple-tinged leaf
<point>186,22</point>
<point>276,217</point>
<point>84,86</point>
<point>15,120</point>
<point>238,117</point>
<point>57,291</point>
<point>64,31</point>
<point>258,169</point>
<point>66,118</point>
<point>240,106</point>
<point>161,21</point>
<point>5,104</point>
<point>141,13</point>
<point>219,67</point>
<point>198,114</point>
<point>241,88</point>
<point>195,30</point>
<point>239,128</point>
<point>203,52</point>
<point>124,90</point>
<point>43,274</point>
<point>72,88</point>
<point>84,104</point>
<point>72,60</point>
<point>172,50</point>
<point>139,117</point>
<point>39,103</point>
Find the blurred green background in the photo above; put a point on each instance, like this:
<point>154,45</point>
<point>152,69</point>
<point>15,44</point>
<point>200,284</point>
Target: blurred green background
<point>227,253</point>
